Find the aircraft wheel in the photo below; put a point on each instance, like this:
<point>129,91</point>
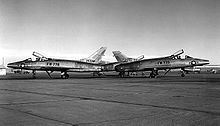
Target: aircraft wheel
<point>66,76</point>
<point>121,74</point>
<point>99,74</point>
<point>182,75</point>
<point>152,75</point>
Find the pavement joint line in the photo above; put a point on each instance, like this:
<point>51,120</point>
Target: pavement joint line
<point>78,124</point>
<point>113,120</point>
<point>137,91</point>
<point>140,92</point>
<point>47,118</point>
<point>36,115</point>
<point>37,102</point>
<point>120,102</point>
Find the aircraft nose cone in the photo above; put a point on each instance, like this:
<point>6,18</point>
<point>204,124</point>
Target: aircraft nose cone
<point>203,62</point>
<point>12,65</point>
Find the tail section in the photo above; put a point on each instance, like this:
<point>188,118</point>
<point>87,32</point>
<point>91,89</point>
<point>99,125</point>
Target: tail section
<point>120,57</point>
<point>96,56</point>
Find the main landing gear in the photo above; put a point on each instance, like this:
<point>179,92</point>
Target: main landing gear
<point>64,75</point>
<point>183,73</point>
<point>154,73</point>
<point>121,74</point>
<point>97,74</point>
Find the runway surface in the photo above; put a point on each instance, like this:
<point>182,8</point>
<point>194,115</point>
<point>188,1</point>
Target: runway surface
<point>110,101</point>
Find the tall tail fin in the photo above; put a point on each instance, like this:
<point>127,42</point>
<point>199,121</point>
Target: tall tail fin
<point>96,56</point>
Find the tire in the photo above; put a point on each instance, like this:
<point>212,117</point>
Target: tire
<point>66,76</point>
<point>182,75</point>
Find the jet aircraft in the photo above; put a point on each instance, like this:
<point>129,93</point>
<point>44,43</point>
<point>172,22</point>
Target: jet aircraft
<point>163,63</point>
<point>49,65</point>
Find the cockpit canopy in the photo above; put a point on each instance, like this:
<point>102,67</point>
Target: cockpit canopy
<point>37,59</point>
<point>177,55</point>
<point>28,59</point>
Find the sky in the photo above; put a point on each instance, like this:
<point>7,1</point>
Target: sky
<point>76,28</point>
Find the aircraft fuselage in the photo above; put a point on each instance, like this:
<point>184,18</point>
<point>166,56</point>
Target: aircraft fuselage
<point>159,64</point>
<point>56,65</point>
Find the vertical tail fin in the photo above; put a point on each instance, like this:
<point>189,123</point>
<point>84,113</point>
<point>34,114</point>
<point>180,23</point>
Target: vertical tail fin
<point>96,56</point>
<point>123,58</point>
<point>119,56</point>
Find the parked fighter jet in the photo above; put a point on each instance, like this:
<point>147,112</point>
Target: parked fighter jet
<point>49,65</point>
<point>164,63</point>
<point>120,57</point>
<point>96,56</point>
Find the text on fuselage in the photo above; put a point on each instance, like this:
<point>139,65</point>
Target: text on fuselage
<point>53,64</point>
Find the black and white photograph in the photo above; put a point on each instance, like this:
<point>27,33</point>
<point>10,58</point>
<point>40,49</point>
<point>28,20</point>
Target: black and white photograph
<point>109,62</point>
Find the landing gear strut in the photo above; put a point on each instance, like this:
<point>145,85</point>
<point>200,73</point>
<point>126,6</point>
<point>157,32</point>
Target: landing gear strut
<point>64,75</point>
<point>49,73</point>
<point>34,74</point>
<point>182,73</point>
<point>121,74</point>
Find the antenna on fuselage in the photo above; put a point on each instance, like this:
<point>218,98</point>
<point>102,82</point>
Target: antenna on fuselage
<point>3,61</point>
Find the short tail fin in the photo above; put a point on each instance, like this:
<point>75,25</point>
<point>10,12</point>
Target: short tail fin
<point>119,56</point>
<point>123,58</point>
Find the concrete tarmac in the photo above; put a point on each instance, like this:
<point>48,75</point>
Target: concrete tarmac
<point>110,101</point>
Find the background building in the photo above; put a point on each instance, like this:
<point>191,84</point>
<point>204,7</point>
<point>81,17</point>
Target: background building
<point>2,70</point>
